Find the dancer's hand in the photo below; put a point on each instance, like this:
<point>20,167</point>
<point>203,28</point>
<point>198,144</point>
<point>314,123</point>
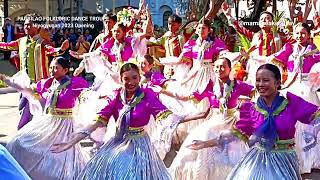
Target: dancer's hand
<point>142,4</point>
<point>77,72</point>
<point>197,145</point>
<point>49,49</point>
<point>74,54</point>
<point>60,147</point>
<point>314,79</point>
<point>244,53</point>
<point>226,9</point>
<point>156,89</point>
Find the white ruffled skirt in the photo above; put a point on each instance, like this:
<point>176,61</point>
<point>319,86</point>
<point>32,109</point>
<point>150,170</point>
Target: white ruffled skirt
<point>31,148</point>
<point>133,158</point>
<point>208,163</point>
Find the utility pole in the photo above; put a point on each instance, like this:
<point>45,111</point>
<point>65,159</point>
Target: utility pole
<point>71,13</point>
<point>47,9</point>
<point>274,6</point>
<point>80,12</point>
<point>6,8</point>
<point>60,7</point>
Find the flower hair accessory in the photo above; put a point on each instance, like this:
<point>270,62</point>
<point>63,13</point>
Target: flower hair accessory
<point>126,15</point>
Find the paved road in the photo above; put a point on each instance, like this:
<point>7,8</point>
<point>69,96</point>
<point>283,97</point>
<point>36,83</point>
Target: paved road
<point>9,117</point>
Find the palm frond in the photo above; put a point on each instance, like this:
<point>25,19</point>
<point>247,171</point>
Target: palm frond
<point>244,42</point>
<point>277,17</point>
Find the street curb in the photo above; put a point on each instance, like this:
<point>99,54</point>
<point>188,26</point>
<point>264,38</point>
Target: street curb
<point>7,90</point>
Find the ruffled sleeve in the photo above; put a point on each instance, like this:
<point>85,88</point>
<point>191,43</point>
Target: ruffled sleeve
<point>78,84</point>
<point>158,79</point>
<point>42,86</point>
<point>10,46</point>
<point>155,107</point>
<point>304,111</point>
<point>247,122</point>
<point>208,92</point>
<point>186,53</point>
<point>218,46</point>
<point>127,52</point>
<point>106,46</point>
<point>283,55</point>
<point>109,110</point>
<point>244,88</point>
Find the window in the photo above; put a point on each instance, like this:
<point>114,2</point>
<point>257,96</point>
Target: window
<point>166,15</point>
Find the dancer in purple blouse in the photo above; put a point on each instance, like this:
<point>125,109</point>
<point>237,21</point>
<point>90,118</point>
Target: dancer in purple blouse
<point>129,154</point>
<point>213,163</point>
<point>299,58</point>
<point>268,126</point>
<point>30,147</point>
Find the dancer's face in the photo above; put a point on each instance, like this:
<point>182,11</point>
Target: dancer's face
<point>266,83</point>
<point>56,70</point>
<point>130,80</point>
<point>203,31</point>
<point>29,28</point>
<point>222,69</point>
<point>108,23</point>
<point>118,33</point>
<point>301,35</point>
<point>265,21</point>
<point>173,26</point>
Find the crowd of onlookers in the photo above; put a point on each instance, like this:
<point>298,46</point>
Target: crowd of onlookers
<point>55,36</point>
<point>76,39</point>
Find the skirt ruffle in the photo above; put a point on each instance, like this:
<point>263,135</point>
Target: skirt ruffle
<point>134,158</point>
<point>31,148</point>
<point>262,165</point>
<point>207,163</point>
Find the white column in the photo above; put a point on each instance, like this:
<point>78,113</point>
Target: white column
<point>47,8</point>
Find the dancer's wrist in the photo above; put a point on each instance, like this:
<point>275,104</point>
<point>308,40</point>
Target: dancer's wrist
<point>211,143</point>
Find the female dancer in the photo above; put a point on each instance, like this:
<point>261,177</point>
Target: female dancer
<point>114,52</point>
<point>104,63</point>
<point>202,52</point>
<point>129,154</point>
<point>30,147</point>
<point>299,58</point>
<point>217,162</point>
<point>268,126</point>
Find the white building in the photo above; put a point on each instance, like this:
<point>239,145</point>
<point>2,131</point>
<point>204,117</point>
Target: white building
<point>160,9</point>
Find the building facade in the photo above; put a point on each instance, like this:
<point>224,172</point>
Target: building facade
<point>160,9</point>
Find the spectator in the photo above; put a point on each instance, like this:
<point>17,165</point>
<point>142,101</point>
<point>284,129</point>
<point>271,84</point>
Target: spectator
<point>19,32</point>
<point>72,39</point>
<point>82,45</point>
<point>8,30</point>
<point>88,36</point>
